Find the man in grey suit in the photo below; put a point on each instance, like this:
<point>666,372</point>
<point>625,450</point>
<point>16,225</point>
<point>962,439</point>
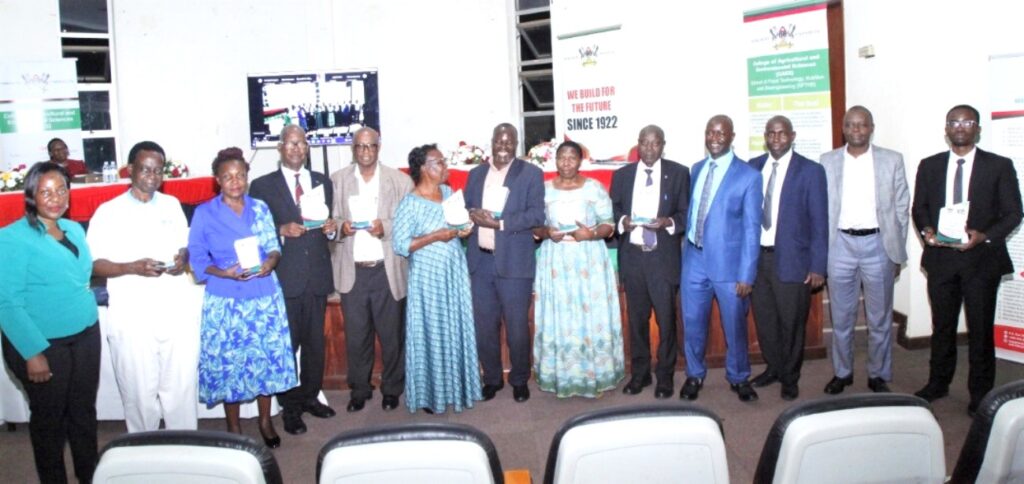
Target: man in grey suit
<point>868,216</point>
<point>368,274</point>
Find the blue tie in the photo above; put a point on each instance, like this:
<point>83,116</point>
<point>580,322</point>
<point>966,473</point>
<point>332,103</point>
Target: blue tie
<point>702,210</point>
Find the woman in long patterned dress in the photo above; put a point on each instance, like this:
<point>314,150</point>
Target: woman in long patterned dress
<point>577,347</point>
<point>441,365</point>
<point>245,346</point>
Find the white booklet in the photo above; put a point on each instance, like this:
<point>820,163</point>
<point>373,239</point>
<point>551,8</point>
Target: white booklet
<point>364,211</point>
<point>494,199</point>
<point>248,252</point>
<point>455,213</point>
<point>314,211</point>
<point>952,227</point>
<point>563,214</point>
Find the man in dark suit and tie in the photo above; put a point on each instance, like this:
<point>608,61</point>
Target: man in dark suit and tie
<point>649,201</point>
<point>720,259</point>
<point>501,258</point>
<point>967,272</point>
<point>794,254</point>
<point>304,270</point>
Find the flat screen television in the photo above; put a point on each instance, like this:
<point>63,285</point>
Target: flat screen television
<point>329,105</point>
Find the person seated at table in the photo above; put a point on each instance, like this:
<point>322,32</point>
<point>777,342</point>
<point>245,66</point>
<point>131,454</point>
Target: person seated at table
<point>245,345</point>
<point>58,151</point>
<point>52,349</point>
<point>441,365</point>
<point>577,345</point>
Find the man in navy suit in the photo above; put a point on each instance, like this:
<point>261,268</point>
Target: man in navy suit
<point>720,258</point>
<point>965,273</point>
<point>304,270</point>
<point>794,254</point>
<point>649,255</point>
<point>501,259</point>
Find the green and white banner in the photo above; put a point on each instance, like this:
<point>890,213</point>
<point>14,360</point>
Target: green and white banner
<point>787,73</point>
<point>1006,135</point>
<point>38,101</point>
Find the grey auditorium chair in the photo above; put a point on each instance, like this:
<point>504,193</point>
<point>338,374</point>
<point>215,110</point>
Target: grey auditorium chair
<point>994,448</point>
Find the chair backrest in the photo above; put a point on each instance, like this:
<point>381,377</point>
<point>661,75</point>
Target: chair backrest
<point>192,456</point>
<point>994,448</point>
<point>404,454</point>
<point>854,439</point>
<point>649,444</point>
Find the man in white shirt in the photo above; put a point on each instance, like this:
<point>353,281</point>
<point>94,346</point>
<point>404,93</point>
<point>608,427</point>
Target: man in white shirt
<point>868,214</point>
<point>370,277</point>
<point>138,243</point>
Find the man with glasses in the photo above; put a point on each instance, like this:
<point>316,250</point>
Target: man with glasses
<point>505,199</point>
<point>967,271</point>
<point>299,201</point>
<point>138,242</point>
<point>370,277</point>
<point>649,201</point>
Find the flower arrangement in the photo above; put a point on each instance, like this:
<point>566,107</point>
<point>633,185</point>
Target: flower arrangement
<point>14,179</point>
<point>175,169</point>
<point>467,154</point>
<point>543,153</point>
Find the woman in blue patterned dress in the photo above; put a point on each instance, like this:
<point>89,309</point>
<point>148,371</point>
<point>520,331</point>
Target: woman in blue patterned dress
<point>577,346</point>
<point>441,366</point>
<point>246,350</point>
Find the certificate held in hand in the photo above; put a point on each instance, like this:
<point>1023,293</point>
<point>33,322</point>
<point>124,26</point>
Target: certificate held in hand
<point>455,213</point>
<point>952,227</point>
<point>248,252</point>
<point>363,210</point>
<point>494,199</point>
<point>314,211</point>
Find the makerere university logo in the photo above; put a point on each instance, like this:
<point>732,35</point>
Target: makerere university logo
<point>39,81</point>
<point>588,55</point>
<point>783,36</point>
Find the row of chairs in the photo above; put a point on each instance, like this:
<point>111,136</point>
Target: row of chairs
<point>850,439</point>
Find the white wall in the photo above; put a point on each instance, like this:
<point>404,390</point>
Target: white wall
<point>29,30</point>
<point>182,67</point>
<point>929,57</point>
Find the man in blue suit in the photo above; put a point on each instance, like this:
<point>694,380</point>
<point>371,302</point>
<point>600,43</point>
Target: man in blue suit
<point>794,248</point>
<point>720,259</point>
<point>501,259</point>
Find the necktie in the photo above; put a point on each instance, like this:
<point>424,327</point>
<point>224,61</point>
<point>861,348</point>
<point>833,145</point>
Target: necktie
<point>702,210</point>
<point>650,238</point>
<point>766,214</point>
<point>958,182</point>
<point>298,190</point>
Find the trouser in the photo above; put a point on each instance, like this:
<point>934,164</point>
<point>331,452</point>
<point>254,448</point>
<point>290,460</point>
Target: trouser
<point>63,408</point>
<point>494,298</point>
<point>780,314</point>
<point>645,291</point>
<point>370,310</point>
<point>306,325</point>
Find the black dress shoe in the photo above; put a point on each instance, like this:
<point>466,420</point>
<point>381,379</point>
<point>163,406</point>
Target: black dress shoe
<point>521,393</point>
<point>691,388</point>
<point>356,404</point>
<point>789,392</point>
<point>428,410</point>
<point>273,441</point>
<point>836,385</point>
<point>490,390</point>
<point>664,390</point>
<point>293,423</point>
<point>389,403</point>
<point>972,408</point>
<point>744,391</point>
<point>878,385</point>
<point>932,392</point>
<point>764,379</point>
<point>637,384</point>
<point>318,410</point>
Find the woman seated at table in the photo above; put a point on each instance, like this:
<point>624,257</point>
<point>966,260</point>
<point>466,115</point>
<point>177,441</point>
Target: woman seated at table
<point>577,347</point>
<point>58,151</point>
<point>51,341</point>
<point>245,346</point>
<point>441,365</point>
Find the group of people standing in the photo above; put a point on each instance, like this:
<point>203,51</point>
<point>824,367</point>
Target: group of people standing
<point>765,232</point>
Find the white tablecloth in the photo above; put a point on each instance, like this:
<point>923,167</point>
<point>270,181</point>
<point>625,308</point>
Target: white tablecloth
<point>14,405</point>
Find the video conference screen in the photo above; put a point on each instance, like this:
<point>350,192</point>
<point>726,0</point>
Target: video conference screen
<point>331,106</point>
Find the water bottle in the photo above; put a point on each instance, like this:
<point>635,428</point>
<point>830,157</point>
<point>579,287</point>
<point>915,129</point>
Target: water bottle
<point>108,172</point>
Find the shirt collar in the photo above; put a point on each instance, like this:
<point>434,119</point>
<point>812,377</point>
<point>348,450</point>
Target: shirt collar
<point>968,158</point>
<point>722,160</point>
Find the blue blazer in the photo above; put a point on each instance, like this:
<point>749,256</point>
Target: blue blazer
<point>732,226</point>
<point>524,209</point>
<point>801,234</point>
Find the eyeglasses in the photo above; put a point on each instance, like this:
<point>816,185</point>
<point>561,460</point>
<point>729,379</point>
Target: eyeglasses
<point>364,147</point>
<point>958,123</point>
<point>147,171</point>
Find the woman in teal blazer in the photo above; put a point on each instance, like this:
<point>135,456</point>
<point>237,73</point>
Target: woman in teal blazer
<point>51,342</point>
